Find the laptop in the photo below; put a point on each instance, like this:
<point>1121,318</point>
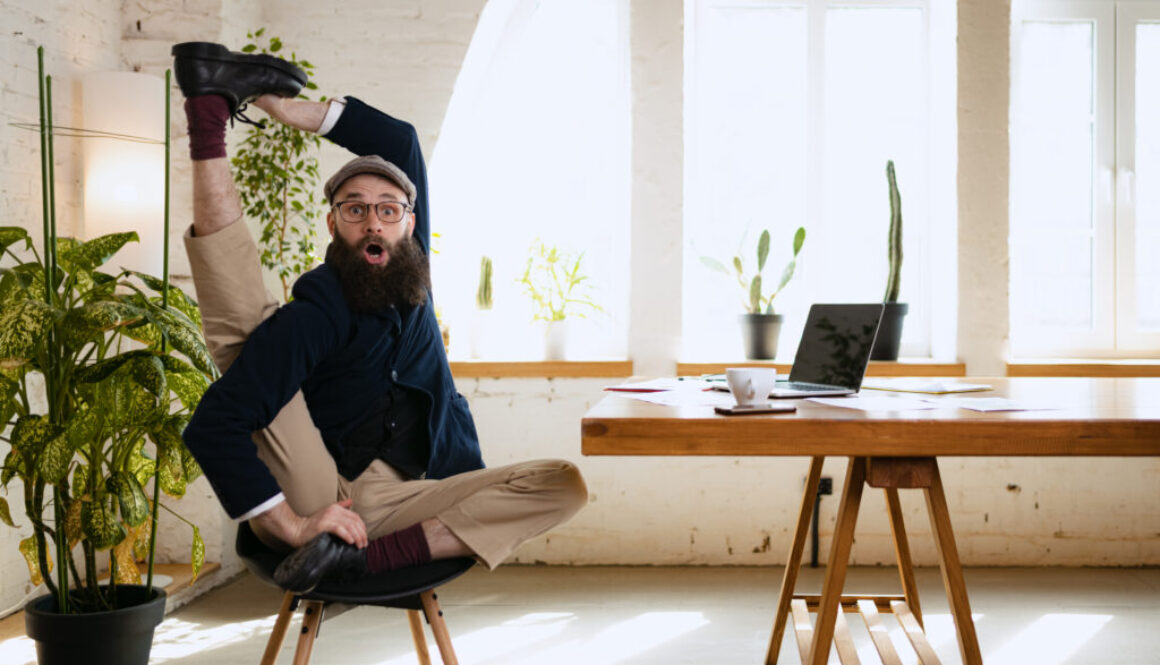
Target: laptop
<point>833,352</point>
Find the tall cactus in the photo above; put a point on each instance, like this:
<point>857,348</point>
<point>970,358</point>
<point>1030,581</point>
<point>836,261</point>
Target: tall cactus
<point>894,250</point>
<point>483,295</point>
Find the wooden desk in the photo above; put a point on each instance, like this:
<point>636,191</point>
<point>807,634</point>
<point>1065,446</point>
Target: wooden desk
<point>891,450</point>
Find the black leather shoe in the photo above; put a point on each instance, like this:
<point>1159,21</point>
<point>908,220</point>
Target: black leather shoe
<point>203,68</point>
<point>324,557</point>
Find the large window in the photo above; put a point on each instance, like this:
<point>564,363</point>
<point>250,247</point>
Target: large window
<point>536,145</point>
<point>792,111</point>
<point>1085,190</point>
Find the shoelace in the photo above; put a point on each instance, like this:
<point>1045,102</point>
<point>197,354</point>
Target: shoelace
<point>242,117</point>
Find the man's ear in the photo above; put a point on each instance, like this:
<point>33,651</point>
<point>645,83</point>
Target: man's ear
<point>411,224</point>
<point>330,223</point>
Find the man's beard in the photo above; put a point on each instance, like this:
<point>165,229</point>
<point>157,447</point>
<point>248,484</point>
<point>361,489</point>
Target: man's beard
<point>405,279</point>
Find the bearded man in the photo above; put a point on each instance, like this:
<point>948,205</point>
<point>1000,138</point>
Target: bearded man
<point>336,429</point>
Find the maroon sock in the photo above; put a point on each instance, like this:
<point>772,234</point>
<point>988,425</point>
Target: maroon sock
<point>207,116</point>
<point>403,548</point>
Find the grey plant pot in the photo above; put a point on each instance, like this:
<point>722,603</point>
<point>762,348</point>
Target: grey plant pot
<point>759,333</point>
<point>889,332</point>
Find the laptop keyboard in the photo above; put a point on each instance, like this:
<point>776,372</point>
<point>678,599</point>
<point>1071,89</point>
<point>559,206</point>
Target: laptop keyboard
<point>802,385</point>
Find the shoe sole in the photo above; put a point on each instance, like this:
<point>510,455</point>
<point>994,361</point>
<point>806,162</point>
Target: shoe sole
<point>211,51</point>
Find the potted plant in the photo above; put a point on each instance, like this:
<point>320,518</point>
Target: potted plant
<point>760,325</point>
<point>276,172</point>
<point>481,323</point>
<point>556,285</point>
<point>890,330</point>
<point>93,365</point>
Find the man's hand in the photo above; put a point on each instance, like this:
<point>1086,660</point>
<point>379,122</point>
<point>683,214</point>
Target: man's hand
<point>295,530</point>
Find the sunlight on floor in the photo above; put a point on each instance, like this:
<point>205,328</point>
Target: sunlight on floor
<point>611,645</point>
<point>1049,639</point>
<point>17,650</point>
<point>176,639</point>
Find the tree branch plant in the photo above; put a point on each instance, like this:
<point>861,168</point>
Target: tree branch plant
<point>754,299</point>
<point>556,285</point>
<point>93,365</point>
<point>276,171</point>
<point>894,236</point>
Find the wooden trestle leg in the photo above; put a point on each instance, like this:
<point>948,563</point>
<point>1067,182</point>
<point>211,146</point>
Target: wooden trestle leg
<point>789,578</point>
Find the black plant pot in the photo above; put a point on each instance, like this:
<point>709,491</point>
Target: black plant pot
<point>759,333</point>
<point>889,332</point>
<point>117,637</point>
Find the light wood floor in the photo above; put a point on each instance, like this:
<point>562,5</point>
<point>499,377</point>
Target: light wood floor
<point>698,616</point>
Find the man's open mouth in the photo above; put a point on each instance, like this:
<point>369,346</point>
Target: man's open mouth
<point>375,253</point>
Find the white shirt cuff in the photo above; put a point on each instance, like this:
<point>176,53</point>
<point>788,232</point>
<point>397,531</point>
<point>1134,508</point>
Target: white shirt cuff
<point>337,106</point>
<point>262,507</point>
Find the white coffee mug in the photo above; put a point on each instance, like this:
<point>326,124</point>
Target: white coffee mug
<point>750,385</point>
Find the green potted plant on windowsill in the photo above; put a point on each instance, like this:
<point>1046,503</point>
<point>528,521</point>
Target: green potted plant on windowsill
<point>889,338</point>
<point>93,366</point>
<point>481,318</point>
<point>559,291</point>
<point>760,325</point>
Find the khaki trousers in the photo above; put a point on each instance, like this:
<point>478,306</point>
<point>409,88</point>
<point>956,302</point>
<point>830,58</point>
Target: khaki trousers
<point>491,510</point>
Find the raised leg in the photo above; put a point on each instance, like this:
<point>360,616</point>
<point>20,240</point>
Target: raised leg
<point>279,632</point>
<point>789,578</point>
<point>952,571</point>
<point>438,627</point>
<point>839,557</point>
<point>902,552</point>
<point>418,636</point>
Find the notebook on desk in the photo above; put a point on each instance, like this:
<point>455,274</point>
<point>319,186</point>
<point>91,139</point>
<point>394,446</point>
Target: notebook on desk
<point>833,352</point>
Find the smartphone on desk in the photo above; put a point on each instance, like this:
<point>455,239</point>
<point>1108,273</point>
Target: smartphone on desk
<point>753,409</point>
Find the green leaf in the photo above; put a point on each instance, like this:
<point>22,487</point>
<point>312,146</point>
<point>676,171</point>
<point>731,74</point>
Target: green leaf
<point>714,264</point>
<point>169,450</point>
<point>95,252</point>
<point>737,266</point>
<point>786,275</point>
<point>185,381</point>
<point>90,321</point>
<point>5,514</point>
<point>139,465</point>
<point>53,462</point>
<point>197,554</point>
<point>13,466</point>
<point>30,552</point>
<point>189,466</point>
<point>10,235</point>
<point>130,496</point>
<point>249,48</point>
<point>755,295</point>
<point>31,433</point>
<point>799,238</point>
<point>762,250</point>
<point>275,45</point>
<point>24,324</point>
<point>100,525</point>
<point>149,373</point>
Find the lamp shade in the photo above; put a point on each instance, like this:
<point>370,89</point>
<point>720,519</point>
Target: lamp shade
<point>125,177</point>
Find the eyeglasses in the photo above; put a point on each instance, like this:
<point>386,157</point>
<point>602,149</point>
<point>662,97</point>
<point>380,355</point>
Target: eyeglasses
<point>389,212</point>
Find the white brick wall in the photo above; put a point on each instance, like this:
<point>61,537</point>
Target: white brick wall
<point>403,56</point>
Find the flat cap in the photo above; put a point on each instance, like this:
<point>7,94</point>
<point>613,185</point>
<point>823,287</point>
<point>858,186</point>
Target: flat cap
<point>372,164</point>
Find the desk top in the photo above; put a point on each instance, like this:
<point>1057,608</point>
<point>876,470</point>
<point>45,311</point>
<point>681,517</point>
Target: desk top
<point>1092,417</point>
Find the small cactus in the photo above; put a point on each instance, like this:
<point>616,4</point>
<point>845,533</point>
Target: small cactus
<point>483,294</point>
<point>894,237</point>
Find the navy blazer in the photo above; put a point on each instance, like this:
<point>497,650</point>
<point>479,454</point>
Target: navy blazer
<point>341,360</point>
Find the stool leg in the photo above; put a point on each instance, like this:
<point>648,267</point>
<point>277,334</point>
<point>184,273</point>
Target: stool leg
<point>311,619</point>
<point>438,627</point>
<point>279,632</point>
<point>794,564</point>
<point>418,636</point>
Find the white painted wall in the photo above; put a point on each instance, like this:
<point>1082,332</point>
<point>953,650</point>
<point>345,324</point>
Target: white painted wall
<point>403,55</point>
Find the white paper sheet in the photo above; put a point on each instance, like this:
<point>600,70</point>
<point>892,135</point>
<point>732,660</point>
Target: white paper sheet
<point>910,384</point>
<point>875,402</point>
<point>683,397</point>
<point>986,404</point>
<point>664,383</point>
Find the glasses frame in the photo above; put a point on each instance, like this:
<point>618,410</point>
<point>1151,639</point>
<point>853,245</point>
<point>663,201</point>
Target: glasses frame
<point>407,207</point>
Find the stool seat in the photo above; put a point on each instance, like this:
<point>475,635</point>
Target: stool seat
<point>411,589</point>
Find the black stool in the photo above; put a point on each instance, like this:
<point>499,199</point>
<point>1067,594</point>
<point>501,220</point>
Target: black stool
<point>412,589</point>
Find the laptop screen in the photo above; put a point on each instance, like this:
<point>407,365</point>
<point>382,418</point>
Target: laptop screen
<point>835,344</point>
